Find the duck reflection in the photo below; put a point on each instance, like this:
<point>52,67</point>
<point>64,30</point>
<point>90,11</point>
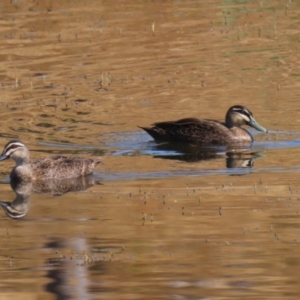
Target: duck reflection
<point>56,187</point>
<point>241,160</point>
<point>237,157</point>
<point>20,206</point>
<point>23,189</point>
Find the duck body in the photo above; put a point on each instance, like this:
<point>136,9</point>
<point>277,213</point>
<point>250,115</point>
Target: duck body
<point>53,167</point>
<point>200,131</point>
<point>208,132</point>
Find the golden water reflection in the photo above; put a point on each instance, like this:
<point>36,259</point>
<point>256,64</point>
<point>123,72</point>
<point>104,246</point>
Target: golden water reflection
<point>144,238</point>
<point>76,75</point>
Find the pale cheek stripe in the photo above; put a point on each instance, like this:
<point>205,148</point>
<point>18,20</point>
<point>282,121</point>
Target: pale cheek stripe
<point>8,151</point>
<point>245,114</point>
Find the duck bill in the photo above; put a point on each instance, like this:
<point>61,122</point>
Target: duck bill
<point>253,124</point>
<point>3,157</point>
<point>4,204</point>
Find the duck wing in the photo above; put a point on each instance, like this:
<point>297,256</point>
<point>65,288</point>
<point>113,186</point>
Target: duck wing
<point>191,130</point>
<point>59,167</point>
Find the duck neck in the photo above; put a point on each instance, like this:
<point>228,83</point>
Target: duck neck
<point>229,122</point>
<point>232,120</point>
<point>24,161</point>
<point>22,170</point>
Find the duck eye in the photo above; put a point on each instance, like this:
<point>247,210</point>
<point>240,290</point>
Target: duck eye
<point>11,147</point>
<point>246,113</point>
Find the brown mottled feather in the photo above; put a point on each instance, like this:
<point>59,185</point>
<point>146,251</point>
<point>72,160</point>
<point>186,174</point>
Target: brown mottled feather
<point>59,167</point>
<point>201,131</point>
<point>208,132</point>
<point>53,167</point>
<point>53,186</point>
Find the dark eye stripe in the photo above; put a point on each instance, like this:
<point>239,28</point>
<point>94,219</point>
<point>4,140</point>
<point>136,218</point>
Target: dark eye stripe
<point>243,111</point>
<point>13,146</point>
<point>246,113</point>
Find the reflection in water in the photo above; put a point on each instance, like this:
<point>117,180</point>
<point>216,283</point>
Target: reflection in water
<point>136,62</point>
<point>20,206</point>
<point>67,271</point>
<point>133,143</point>
<point>71,274</point>
<point>241,160</point>
<point>59,187</point>
<point>235,157</point>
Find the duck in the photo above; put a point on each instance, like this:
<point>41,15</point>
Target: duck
<point>53,167</point>
<point>206,131</point>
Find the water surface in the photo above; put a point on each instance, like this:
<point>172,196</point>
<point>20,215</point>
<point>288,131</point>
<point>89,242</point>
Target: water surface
<point>78,77</point>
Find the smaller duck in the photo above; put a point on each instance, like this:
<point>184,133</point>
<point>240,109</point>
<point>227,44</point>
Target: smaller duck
<point>53,167</point>
<point>208,132</point>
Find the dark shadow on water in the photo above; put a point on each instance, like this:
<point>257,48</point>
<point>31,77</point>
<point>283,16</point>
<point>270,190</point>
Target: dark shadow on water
<point>235,157</point>
<point>236,161</point>
<point>135,143</point>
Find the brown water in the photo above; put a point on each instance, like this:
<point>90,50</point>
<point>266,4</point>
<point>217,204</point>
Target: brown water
<point>78,77</point>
